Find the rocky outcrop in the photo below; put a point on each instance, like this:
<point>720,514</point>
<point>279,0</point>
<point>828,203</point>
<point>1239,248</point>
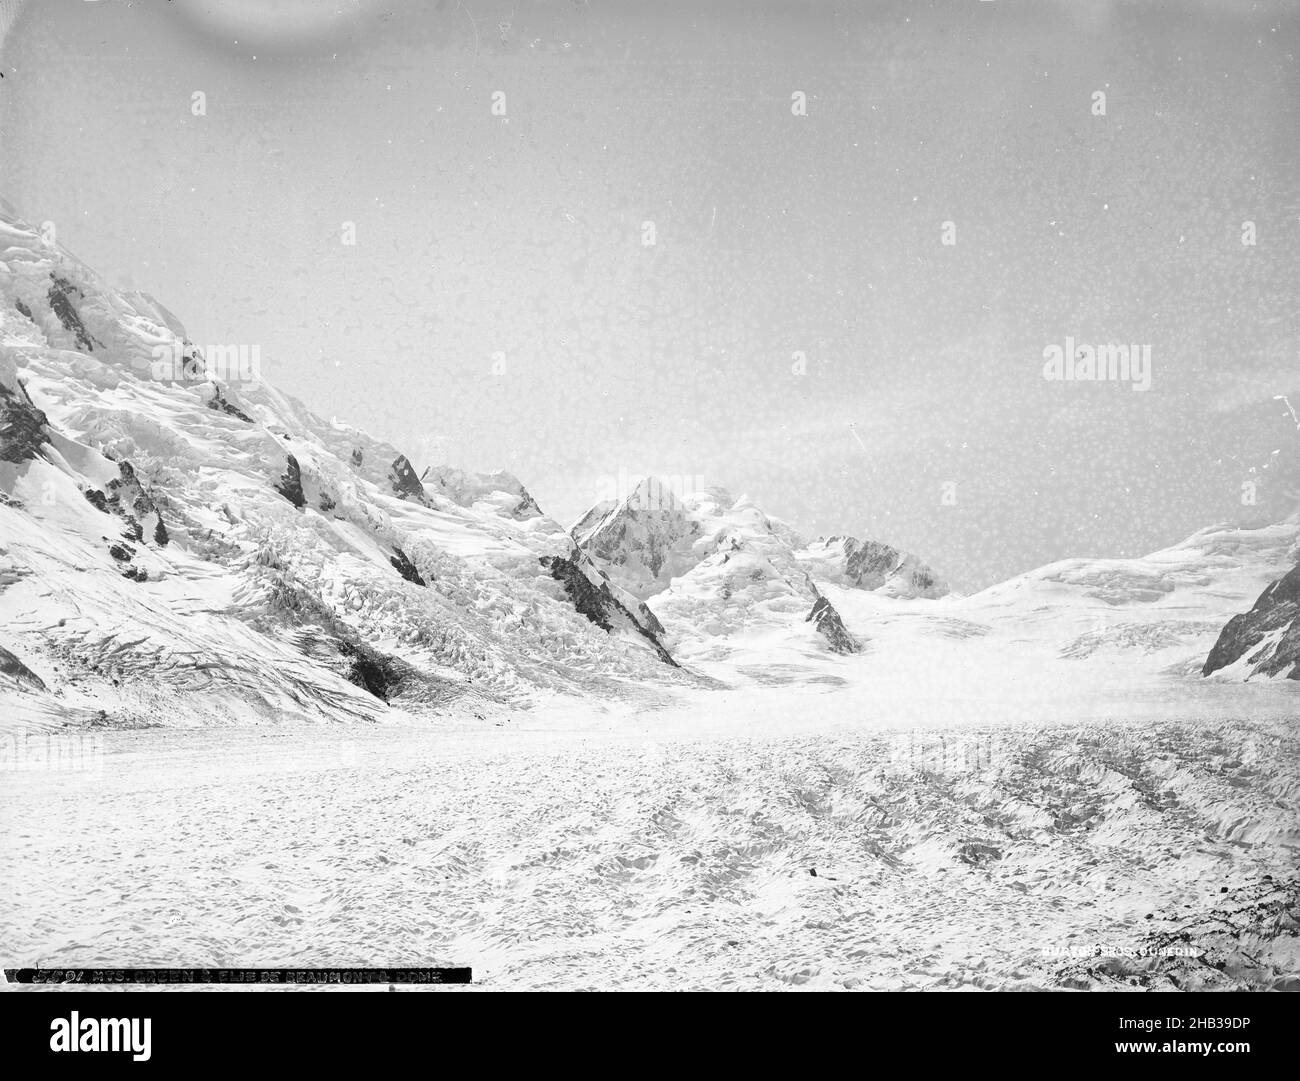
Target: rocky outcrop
<point>831,627</point>
<point>595,600</point>
<point>127,497</point>
<point>526,507</point>
<point>873,565</point>
<point>22,425</point>
<point>1268,636</point>
<point>403,565</point>
<point>61,298</point>
<point>14,669</point>
<point>222,404</point>
<point>406,485</point>
<point>290,485</point>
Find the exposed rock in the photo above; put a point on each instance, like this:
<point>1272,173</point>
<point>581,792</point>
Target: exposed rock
<point>127,497</point>
<point>598,603</point>
<point>1273,625</point>
<point>12,667</point>
<point>404,481</point>
<point>872,564</point>
<point>405,567</point>
<point>22,426</point>
<point>831,627</point>
<point>371,670</point>
<point>23,309</point>
<point>60,297</point>
<point>219,402</point>
<point>527,506</point>
<point>645,539</point>
<point>290,485</point>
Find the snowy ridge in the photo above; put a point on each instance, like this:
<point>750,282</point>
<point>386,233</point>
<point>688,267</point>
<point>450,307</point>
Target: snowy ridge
<point>716,569</point>
<point>301,569</point>
<point>181,548</point>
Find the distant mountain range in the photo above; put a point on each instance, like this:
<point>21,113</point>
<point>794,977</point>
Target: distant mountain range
<point>178,546</point>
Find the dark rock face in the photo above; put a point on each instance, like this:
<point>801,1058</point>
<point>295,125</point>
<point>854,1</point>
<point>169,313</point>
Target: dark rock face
<point>831,627</point>
<point>404,481</point>
<point>22,426</point>
<point>23,309</point>
<point>61,296</point>
<point>599,604</point>
<point>371,670</point>
<point>402,564</point>
<point>290,485</point>
<point>356,457</point>
<point>12,667</point>
<point>1277,610</point>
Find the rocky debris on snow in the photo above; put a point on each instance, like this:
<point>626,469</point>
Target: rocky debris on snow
<point>1249,941</point>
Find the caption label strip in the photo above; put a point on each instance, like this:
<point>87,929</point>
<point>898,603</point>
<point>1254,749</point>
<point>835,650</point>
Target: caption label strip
<point>89,976</point>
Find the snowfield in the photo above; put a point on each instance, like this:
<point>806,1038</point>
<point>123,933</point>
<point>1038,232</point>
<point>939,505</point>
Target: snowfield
<point>664,853</point>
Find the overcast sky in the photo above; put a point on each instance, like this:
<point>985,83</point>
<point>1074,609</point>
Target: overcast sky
<point>500,308</point>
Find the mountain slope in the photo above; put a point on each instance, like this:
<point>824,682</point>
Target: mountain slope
<point>1266,640</point>
<point>165,532</point>
<point>719,572</point>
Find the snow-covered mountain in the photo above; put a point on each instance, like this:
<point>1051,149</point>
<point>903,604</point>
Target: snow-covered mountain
<point>181,543</point>
<point>712,566</point>
<point>1160,610</point>
<point>183,546</point>
<point>1266,640</point>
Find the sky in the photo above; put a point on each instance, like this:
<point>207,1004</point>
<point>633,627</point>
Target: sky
<point>798,331</point>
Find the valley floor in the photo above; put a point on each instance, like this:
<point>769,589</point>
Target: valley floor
<point>814,847</point>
